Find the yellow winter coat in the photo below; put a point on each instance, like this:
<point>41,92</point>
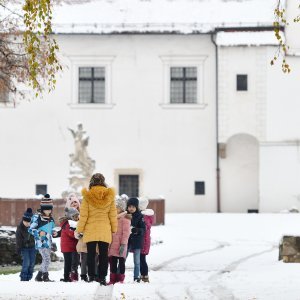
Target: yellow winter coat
<point>98,215</point>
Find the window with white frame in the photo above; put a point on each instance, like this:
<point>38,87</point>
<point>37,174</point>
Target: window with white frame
<point>129,181</point>
<point>91,82</point>
<point>183,82</point>
<point>183,85</point>
<point>91,85</point>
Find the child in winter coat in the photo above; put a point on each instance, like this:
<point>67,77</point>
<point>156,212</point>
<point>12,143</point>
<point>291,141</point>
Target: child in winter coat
<point>118,247</point>
<point>41,227</point>
<point>135,242</point>
<point>73,201</point>
<point>26,246</point>
<point>68,243</point>
<point>149,220</point>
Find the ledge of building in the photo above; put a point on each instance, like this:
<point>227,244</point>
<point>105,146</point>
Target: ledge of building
<point>183,106</point>
<point>92,106</point>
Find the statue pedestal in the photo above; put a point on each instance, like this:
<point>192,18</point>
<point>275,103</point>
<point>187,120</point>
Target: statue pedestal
<point>289,249</point>
<point>76,184</point>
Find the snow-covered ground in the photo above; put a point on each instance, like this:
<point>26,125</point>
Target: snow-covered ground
<point>203,256</point>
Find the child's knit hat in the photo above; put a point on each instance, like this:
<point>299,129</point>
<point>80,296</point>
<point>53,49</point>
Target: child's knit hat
<point>46,203</point>
<point>134,202</point>
<point>121,203</point>
<point>143,202</point>
<point>27,215</point>
<point>70,212</point>
<point>124,197</point>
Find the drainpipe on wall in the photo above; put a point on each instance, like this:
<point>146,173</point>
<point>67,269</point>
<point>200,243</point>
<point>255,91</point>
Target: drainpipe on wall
<point>213,36</point>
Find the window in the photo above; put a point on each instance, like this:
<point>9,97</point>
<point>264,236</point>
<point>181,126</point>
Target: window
<point>183,82</point>
<point>41,189</point>
<point>92,85</point>
<point>242,82</point>
<point>183,87</point>
<point>199,188</point>
<point>129,185</point>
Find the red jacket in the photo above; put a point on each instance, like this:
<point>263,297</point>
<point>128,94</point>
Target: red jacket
<point>149,220</point>
<point>67,240</point>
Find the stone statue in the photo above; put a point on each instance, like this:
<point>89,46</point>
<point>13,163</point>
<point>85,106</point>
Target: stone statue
<point>81,165</point>
<point>80,158</point>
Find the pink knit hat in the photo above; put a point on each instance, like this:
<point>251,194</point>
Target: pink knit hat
<point>72,198</point>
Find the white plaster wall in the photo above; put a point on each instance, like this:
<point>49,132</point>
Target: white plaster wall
<point>292,31</point>
<point>242,111</point>
<point>279,156</point>
<point>239,174</point>
<point>279,176</point>
<point>283,105</point>
<point>173,147</point>
<point>242,123</point>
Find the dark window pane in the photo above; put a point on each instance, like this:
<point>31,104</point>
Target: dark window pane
<point>191,92</point>
<point>176,72</point>
<point>191,72</point>
<point>41,189</point>
<point>85,72</point>
<point>99,73</point>
<point>176,92</point>
<point>199,188</point>
<point>242,82</point>
<point>129,185</point>
<point>85,92</point>
<point>99,91</point>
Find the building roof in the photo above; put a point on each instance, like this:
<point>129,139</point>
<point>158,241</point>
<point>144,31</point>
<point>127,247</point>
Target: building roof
<point>246,38</point>
<point>160,16</point>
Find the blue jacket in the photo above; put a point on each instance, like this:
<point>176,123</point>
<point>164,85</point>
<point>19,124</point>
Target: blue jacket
<point>38,224</point>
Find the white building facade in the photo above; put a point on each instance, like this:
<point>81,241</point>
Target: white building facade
<point>173,99</point>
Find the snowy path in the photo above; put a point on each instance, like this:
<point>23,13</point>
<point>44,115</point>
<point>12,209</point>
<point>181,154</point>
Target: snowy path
<point>203,256</point>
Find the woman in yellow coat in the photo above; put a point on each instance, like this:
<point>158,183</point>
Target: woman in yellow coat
<point>97,223</point>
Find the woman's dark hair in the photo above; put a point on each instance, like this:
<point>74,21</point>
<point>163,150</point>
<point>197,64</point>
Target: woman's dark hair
<point>97,179</point>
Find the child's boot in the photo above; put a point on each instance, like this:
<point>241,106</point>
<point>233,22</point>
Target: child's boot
<point>66,278</point>
<point>102,281</point>
<point>121,278</point>
<point>39,276</point>
<point>145,278</point>
<point>46,277</point>
<point>84,277</point>
<point>112,278</point>
<point>73,276</point>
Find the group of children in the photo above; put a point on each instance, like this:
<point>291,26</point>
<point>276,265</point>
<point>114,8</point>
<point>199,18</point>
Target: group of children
<point>36,231</point>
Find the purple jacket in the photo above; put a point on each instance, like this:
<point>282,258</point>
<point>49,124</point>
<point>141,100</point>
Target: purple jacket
<point>149,220</point>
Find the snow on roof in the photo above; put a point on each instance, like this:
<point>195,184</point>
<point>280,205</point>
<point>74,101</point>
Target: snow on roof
<point>142,16</point>
<point>246,38</point>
